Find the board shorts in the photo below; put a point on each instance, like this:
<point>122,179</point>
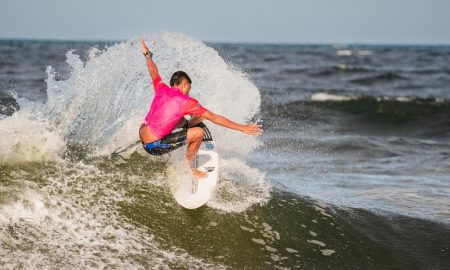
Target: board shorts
<point>167,144</point>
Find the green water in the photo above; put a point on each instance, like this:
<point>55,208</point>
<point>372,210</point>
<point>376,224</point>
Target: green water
<point>287,232</point>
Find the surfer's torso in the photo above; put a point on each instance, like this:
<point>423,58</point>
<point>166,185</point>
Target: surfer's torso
<point>168,108</point>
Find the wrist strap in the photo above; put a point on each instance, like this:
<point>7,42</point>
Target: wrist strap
<point>148,54</point>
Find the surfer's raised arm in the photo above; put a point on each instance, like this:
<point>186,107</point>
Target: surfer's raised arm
<point>152,69</point>
<point>249,129</point>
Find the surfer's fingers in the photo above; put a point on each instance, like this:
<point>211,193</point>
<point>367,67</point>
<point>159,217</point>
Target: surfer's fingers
<point>253,130</point>
<point>256,130</point>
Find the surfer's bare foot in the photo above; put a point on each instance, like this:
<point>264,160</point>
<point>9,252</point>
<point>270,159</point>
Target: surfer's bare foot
<point>199,174</point>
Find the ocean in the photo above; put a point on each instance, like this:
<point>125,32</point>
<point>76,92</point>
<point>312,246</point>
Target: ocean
<point>352,170</point>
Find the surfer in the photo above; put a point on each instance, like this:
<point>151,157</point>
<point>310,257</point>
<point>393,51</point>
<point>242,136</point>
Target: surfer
<point>167,111</point>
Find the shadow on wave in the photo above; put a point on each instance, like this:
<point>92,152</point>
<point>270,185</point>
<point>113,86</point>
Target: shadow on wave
<point>293,232</point>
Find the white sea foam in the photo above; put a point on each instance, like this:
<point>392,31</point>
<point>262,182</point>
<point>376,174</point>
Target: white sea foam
<point>327,252</point>
<point>26,138</point>
<point>323,97</point>
<point>65,225</point>
<point>317,242</point>
<point>21,205</point>
<point>330,97</point>
<point>344,52</point>
<point>240,187</point>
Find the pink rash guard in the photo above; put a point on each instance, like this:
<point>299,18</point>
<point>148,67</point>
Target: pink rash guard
<point>168,108</point>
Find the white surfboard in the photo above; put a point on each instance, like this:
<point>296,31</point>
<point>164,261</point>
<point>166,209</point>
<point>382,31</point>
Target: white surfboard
<point>193,193</point>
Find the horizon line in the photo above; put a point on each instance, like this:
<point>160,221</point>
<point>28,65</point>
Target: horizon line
<point>227,42</point>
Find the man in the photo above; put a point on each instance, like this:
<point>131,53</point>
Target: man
<point>167,112</point>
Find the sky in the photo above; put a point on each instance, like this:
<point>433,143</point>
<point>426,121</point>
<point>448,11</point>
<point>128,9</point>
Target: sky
<point>244,21</point>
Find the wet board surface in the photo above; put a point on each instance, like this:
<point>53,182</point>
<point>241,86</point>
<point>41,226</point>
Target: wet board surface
<point>193,193</point>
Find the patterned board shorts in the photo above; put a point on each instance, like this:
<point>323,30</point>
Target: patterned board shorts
<point>167,144</point>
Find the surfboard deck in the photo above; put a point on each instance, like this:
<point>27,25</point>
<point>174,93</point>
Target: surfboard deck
<point>193,193</point>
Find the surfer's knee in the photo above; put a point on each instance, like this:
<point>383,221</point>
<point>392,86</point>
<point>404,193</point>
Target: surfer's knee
<point>199,132</point>
<point>196,133</point>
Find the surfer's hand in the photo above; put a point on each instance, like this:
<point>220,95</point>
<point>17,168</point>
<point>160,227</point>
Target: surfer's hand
<point>250,129</point>
<point>144,46</point>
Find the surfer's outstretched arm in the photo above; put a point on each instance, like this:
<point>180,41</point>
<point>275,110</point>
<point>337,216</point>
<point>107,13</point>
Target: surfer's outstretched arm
<point>152,68</point>
<point>249,129</point>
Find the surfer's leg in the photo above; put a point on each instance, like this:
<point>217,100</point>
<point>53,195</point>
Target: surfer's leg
<point>194,140</point>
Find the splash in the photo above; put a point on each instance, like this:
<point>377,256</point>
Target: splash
<point>104,100</point>
<point>27,138</point>
<point>241,186</point>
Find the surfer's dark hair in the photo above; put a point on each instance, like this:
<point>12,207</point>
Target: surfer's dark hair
<point>178,77</point>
